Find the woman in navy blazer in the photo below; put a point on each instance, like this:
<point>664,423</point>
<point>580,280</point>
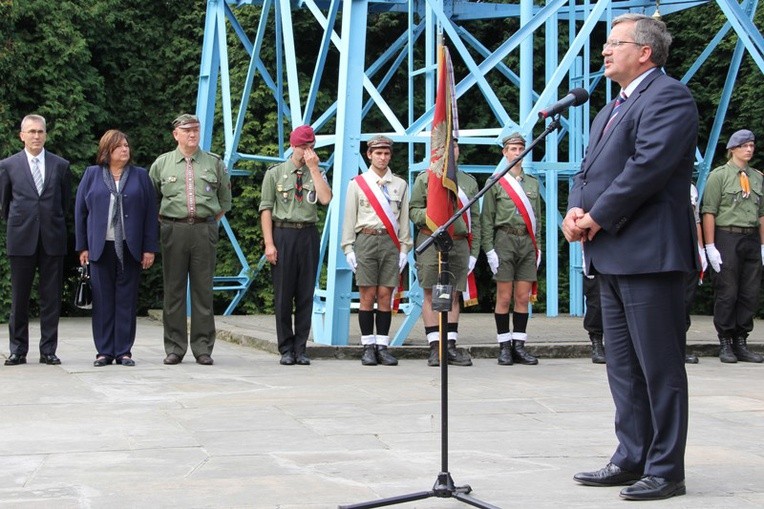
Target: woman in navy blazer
<point>116,227</point>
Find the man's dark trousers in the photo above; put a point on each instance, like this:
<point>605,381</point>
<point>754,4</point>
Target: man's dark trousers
<point>644,323</point>
<point>23,268</point>
<point>294,281</point>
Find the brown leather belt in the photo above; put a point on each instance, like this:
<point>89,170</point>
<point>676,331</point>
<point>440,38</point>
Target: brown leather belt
<point>290,224</point>
<point>428,232</point>
<point>373,231</point>
<point>739,229</point>
<point>187,220</point>
<point>512,230</point>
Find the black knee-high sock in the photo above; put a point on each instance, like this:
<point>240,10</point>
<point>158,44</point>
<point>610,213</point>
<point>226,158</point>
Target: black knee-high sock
<point>519,322</point>
<point>384,318</point>
<point>366,321</point>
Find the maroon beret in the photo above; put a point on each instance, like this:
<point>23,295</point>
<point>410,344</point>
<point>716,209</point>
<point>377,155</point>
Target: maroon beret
<point>302,135</point>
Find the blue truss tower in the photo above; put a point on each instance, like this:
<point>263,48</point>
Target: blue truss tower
<point>571,31</point>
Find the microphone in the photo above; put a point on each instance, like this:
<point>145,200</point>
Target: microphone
<point>575,97</point>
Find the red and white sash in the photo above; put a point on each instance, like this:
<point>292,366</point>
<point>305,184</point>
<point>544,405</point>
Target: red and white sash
<point>470,295</point>
<point>385,213</point>
<point>523,204</point>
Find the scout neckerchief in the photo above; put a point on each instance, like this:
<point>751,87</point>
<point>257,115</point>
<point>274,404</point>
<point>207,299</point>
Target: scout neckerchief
<point>470,296</point>
<point>523,205</point>
<point>381,206</point>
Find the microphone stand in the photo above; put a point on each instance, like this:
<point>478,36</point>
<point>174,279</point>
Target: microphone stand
<point>444,485</point>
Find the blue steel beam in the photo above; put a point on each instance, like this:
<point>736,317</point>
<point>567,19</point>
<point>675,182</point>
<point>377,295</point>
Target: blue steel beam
<point>347,113</point>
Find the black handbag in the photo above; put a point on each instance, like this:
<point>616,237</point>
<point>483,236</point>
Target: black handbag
<point>83,295</point>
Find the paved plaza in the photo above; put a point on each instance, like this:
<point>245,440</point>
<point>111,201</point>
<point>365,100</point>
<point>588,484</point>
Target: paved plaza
<point>249,433</point>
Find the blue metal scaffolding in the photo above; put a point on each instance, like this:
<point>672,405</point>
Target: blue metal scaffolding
<point>363,87</point>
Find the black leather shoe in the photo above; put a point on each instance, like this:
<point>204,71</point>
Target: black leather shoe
<point>15,359</point>
<point>205,360</point>
<point>653,488</point>
<point>49,358</point>
<point>384,357</point>
<point>610,475</point>
<point>125,361</point>
<point>505,353</point>
<point>691,358</point>
<point>302,360</point>
<point>287,359</point>
<point>172,359</point>
<point>369,356</point>
<point>101,361</point>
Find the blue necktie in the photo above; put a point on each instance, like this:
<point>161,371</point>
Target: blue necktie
<point>37,175</point>
<point>618,102</point>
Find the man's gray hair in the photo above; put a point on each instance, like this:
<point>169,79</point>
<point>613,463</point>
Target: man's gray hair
<point>649,31</point>
<point>34,118</point>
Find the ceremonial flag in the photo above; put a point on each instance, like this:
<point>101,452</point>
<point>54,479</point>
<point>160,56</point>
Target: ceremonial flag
<point>441,179</point>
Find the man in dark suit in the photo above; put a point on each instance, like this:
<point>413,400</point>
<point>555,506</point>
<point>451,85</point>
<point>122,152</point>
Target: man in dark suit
<point>35,191</point>
<point>629,206</point>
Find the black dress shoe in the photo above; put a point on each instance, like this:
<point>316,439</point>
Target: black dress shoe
<point>287,359</point>
<point>302,360</point>
<point>15,359</point>
<point>126,361</point>
<point>609,475</point>
<point>172,359</point>
<point>691,358</point>
<point>49,358</point>
<point>102,361</point>
<point>653,488</point>
<point>205,360</point>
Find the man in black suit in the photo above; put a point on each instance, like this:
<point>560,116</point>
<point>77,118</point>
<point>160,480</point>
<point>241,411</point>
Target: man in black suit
<point>629,206</point>
<point>35,191</point>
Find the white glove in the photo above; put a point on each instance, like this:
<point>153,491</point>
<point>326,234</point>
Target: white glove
<point>714,257</point>
<point>762,254</point>
<point>473,261</point>
<point>704,262</point>
<point>538,259</point>
<point>493,260</point>
<point>403,259</point>
<point>350,257</point>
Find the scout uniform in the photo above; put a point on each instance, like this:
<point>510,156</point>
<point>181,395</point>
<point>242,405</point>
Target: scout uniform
<point>290,194</point>
<point>374,208</point>
<point>504,234</point>
<point>192,192</point>
<point>736,213</point>
<point>466,245</point>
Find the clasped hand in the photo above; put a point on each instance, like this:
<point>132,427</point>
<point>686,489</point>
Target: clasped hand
<point>579,225</point>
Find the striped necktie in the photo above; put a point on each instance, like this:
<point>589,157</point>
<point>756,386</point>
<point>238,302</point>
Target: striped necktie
<point>618,102</point>
<point>37,175</point>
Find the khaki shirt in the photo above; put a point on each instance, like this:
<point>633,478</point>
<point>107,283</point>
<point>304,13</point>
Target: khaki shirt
<point>360,214</point>
<point>418,207</point>
<point>500,210</point>
<point>211,188</point>
<point>723,197</point>
<point>277,194</point>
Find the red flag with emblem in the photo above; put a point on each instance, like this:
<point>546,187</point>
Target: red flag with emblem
<point>441,179</point>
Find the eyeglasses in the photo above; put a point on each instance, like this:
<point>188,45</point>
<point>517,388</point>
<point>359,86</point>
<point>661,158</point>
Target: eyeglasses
<point>34,132</point>
<point>616,43</point>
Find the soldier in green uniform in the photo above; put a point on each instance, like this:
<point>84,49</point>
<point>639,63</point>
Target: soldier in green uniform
<point>511,255</point>
<point>194,191</point>
<point>376,259</point>
<point>289,202</point>
<point>461,262</point>
<point>733,229</point>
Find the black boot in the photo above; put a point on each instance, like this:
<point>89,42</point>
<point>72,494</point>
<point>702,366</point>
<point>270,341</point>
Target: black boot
<point>520,355</point>
<point>434,358</point>
<point>457,357</point>
<point>384,356</point>
<point>369,357</point>
<point>598,349</point>
<point>743,354</point>
<point>505,353</point>
<point>726,354</point>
